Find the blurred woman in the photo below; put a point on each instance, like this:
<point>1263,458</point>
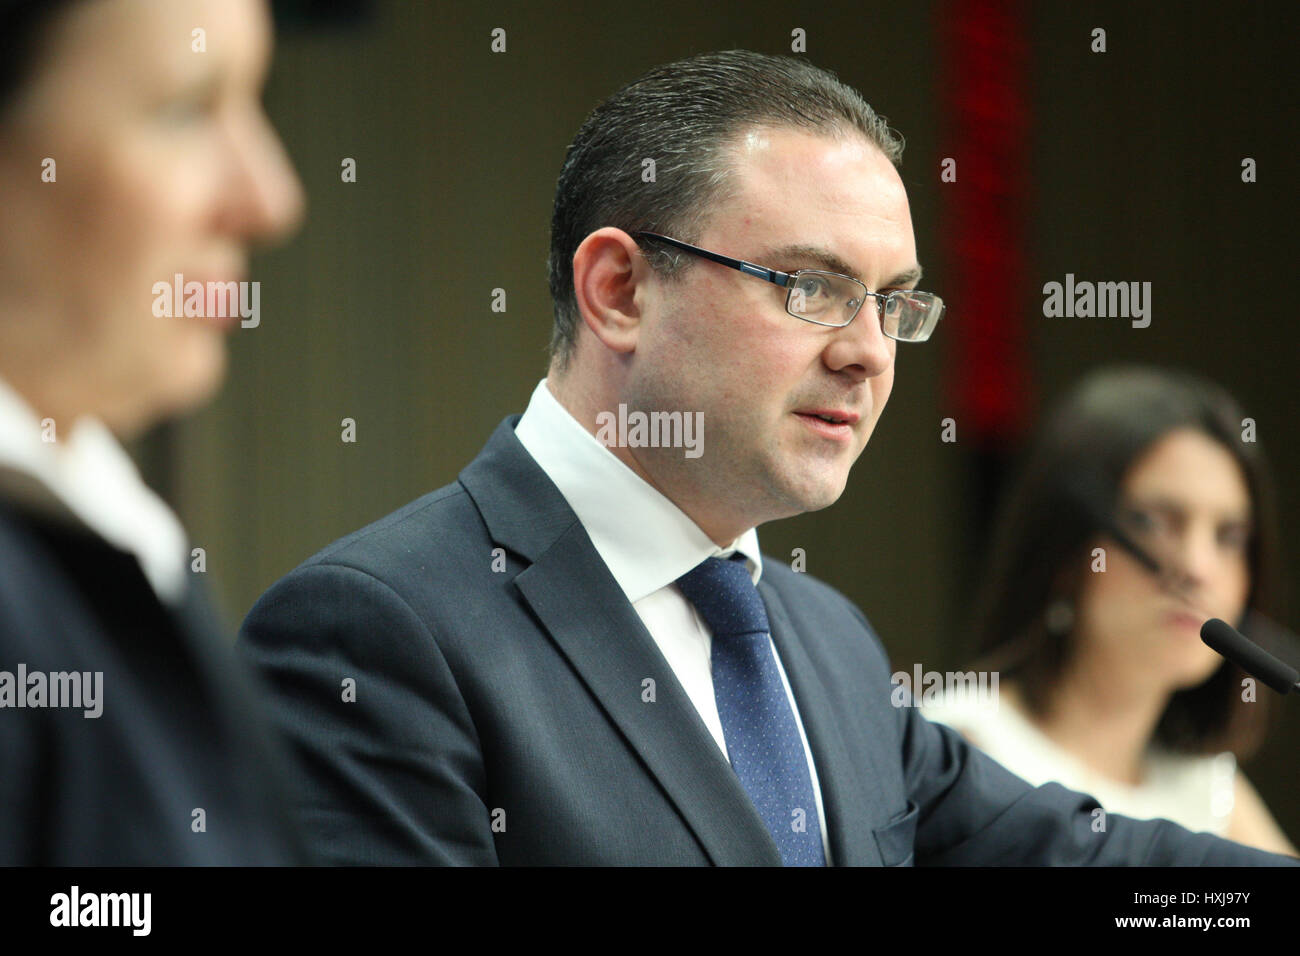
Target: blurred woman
<point>1105,684</point>
<point>133,149</point>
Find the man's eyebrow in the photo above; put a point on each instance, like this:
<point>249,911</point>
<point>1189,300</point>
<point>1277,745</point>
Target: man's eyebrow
<point>827,260</point>
<point>911,277</point>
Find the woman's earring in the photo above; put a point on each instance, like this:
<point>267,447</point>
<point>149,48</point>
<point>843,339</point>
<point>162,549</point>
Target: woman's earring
<point>1060,616</point>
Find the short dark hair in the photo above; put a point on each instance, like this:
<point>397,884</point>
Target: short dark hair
<point>1066,492</point>
<point>23,24</point>
<point>684,116</point>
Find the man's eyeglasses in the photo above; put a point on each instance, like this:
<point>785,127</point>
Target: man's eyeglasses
<point>828,298</point>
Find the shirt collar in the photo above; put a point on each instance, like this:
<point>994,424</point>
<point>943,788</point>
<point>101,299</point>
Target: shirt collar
<point>645,540</point>
<point>87,478</point>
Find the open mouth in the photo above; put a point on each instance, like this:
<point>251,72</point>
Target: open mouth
<point>829,424</point>
<point>832,416</point>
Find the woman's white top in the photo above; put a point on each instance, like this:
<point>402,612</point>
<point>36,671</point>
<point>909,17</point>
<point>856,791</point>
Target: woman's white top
<point>1195,791</point>
<point>80,473</point>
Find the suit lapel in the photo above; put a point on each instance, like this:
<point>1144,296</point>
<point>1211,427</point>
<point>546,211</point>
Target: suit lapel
<point>589,619</point>
<point>603,638</point>
<point>848,792</point>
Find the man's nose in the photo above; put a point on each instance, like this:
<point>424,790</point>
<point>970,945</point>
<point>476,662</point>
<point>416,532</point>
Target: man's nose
<point>861,348</point>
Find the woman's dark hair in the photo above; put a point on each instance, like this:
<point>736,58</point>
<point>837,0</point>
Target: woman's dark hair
<point>1067,492</point>
<point>24,25</point>
<point>22,28</point>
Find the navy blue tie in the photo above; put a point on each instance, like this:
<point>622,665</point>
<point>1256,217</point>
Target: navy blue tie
<point>758,723</point>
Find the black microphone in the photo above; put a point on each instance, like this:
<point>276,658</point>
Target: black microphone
<point>1250,657</point>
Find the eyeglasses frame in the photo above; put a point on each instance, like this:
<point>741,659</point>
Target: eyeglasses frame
<point>789,279</point>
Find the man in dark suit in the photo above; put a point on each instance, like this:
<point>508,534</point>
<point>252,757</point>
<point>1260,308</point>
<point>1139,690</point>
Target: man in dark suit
<point>576,653</point>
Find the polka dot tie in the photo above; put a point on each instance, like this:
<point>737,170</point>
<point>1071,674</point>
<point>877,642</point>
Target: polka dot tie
<point>758,723</point>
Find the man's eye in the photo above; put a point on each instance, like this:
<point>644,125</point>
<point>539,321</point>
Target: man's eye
<point>813,287</point>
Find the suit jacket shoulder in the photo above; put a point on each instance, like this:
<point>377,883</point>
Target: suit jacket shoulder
<point>170,765</point>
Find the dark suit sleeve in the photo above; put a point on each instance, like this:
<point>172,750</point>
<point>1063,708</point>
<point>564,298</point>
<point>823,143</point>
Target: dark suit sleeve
<point>24,821</point>
<point>396,775</point>
<point>972,811</point>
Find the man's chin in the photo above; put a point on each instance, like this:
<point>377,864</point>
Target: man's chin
<point>816,497</point>
<point>825,501</point>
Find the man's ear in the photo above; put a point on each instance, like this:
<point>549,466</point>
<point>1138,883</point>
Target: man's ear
<point>607,268</point>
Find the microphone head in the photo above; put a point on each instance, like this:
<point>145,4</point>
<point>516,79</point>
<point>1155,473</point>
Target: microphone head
<point>1250,657</point>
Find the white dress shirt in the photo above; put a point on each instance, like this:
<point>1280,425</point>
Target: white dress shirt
<point>647,543</point>
<point>86,477</point>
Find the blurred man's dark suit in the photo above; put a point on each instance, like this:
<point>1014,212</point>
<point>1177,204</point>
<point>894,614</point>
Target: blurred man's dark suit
<point>178,730</point>
<point>501,716</point>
